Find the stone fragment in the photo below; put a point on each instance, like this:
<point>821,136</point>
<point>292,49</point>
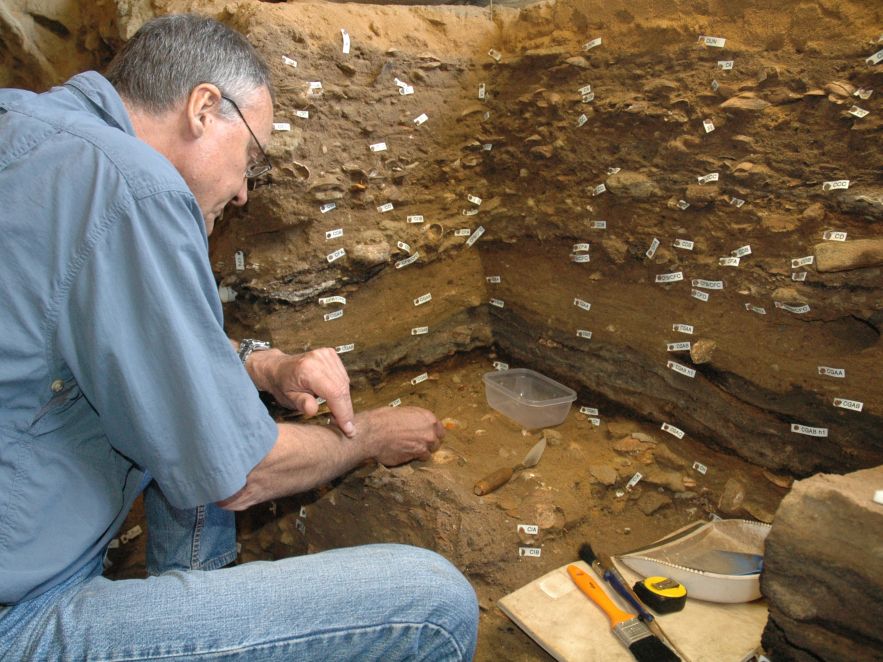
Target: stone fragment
<point>544,151</point>
<point>787,295</point>
<point>604,473</point>
<point>640,436</point>
<point>371,254</point>
<point>747,104</point>
<point>630,445</point>
<point>840,88</point>
<point>847,255</point>
<point>546,515</point>
<point>779,222</point>
<point>731,500</point>
<point>507,504</point>
<point>553,437</point>
<point>814,213</point>
<point>781,481</point>
<point>759,512</point>
<point>672,480</point>
<point>659,86</point>
<point>702,350</point>
<point>616,249</point>
<point>700,196</point>
<point>471,110</point>
<point>633,184</point>
<point>866,201</point>
<point>651,501</point>
<point>619,429</point>
<point>578,61</point>
<point>664,456</point>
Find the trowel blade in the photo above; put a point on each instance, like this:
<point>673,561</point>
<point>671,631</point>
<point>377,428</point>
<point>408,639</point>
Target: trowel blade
<point>534,456</point>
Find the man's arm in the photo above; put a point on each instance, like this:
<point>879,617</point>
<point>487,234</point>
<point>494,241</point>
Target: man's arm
<point>306,456</point>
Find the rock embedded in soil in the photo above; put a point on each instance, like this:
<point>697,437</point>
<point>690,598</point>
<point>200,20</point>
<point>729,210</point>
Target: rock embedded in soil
<point>605,474</point>
<point>651,501</point>
<point>632,184</point>
<point>848,255</point>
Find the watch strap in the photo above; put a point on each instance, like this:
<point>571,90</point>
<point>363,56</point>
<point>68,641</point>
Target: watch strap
<point>249,345</point>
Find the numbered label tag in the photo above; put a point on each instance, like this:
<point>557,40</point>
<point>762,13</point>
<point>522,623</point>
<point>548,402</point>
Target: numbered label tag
<point>421,300</point>
<point>328,207</point>
<point>385,208</point>
<point>832,372</point>
<point>671,429</point>
<point>613,171</point>
<point>400,83</point>
<point>495,54</point>
<point>585,305</point>
<point>474,200</point>
<point>407,89</point>
<point>493,279</point>
<point>317,85</point>
<point>132,533</point>
<point>420,120</point>
<point>530,529</point>
<point>333,316</point>
<point>863,94</point>
<point>585,90</point>
<point>481,91</point>
<point>699,294</point>
<point>711,177</point>
<point>582,119</point>
<point>634,481</point>
<point>858,112</point>
<point>725,65</point>
<point>594,421</point>
<point>715,85</point>
<point>599,225</point>
<point>678,346</point>
<point>716,42</point>
<point>420,378</point>
<point>377,147</point>
<point>755,309</point>
<point>346,41</point>
<point>683,204</point>
<point>708,284</point>
<point>652,250</point>
<point>682,328</point>
<point>596,42</point>
<point>300,526</point>
<point>588,411</point>
<point>420,331</point>
<point>836,185</point>
<point>530,551</point>
<point>498,303</point>
<point>415,219</point>
<point>281,126</point>
<point>499,365</point>
<point>670,278</point>
<point>741,252</point>
<point>848,404</point>
<point>336,255</point>
<point>683,243</point>
<point>584,334</point>
<point>701,468</point>
<point>799,276</point>
<point>487,147</point>
<point>729,261</point>
<point>405,247</point>
<point>239,257</point>
<point>684,370</point>
<point>876,58</point>
<point>796,263</point>
<point>324,301</point>
<point>395,403</point>
<point>343,349</point>
<point>598,190</point>
<point>835,236</point>
<point>812,432</point>
<point>475,235</point>
<point>708,125</point>
<point>581,247</point>
<point>736,202</point>
<point>583,257</point>
<point>470,212</point>
<point>333,234</point>
<point>287,60</point>
<point>793,309</point>
<point>407,261</point>
<point>465,232</point>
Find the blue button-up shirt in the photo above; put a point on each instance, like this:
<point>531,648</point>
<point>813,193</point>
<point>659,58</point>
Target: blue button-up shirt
<point>114,359</point>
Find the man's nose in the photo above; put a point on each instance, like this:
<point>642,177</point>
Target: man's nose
<point>242,196</point>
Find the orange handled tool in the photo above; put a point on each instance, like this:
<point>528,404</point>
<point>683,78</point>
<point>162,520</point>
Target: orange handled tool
<point>600,598</point>
<point>501,476</point>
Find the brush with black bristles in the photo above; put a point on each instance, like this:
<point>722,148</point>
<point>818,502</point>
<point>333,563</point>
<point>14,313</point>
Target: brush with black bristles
<point>636,636</point>
<point>605,568</point>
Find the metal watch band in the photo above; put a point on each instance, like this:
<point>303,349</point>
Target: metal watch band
<point>249,345</point>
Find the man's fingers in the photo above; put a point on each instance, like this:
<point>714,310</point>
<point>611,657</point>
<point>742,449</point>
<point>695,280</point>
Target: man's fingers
<point>304,402</point>
<point>341,407</point>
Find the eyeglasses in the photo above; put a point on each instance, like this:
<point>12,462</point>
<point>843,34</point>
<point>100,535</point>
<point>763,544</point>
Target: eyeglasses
<point>261,168</point>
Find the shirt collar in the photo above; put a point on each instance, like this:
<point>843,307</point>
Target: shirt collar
<point>102,99</point>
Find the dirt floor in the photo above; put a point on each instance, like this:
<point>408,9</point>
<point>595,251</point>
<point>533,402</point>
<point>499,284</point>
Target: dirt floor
<point>564,495</point>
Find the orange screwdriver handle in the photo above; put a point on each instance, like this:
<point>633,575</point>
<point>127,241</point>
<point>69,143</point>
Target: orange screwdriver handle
<point>598,596</point>
<point>490,483</point>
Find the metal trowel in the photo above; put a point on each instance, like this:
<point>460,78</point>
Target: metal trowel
<point>502,476</point>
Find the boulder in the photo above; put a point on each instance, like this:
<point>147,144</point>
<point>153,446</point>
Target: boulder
<point>846,255</point>
<point>864,201</point>
<point>632,184</point>
<point>747,104</point>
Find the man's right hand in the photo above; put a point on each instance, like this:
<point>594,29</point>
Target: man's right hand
<point>401,434</point>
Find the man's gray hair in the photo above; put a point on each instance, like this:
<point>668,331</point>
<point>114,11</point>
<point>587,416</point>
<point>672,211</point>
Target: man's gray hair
<point>169,56</point>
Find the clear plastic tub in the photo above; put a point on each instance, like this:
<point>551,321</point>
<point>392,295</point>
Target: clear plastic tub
<point>527,397</point>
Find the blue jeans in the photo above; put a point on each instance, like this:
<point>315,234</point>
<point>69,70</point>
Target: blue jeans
<point>375,602</point>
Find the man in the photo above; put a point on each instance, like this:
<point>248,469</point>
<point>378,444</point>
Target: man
<point>116,376</point>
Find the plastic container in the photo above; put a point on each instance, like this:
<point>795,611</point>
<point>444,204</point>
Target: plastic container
<point>527,397</point>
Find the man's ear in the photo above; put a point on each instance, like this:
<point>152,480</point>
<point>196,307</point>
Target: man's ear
<point>202,104</point>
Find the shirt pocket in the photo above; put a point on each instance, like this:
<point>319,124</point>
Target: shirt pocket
<point>52,415</point>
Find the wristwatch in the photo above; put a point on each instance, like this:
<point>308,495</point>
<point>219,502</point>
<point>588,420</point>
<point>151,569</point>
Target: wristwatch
<point>250,345</point>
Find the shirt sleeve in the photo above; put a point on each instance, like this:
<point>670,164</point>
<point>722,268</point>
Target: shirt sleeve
<point>142,331</point>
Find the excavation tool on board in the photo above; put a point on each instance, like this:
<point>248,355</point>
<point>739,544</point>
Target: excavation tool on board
<point>502,476</point>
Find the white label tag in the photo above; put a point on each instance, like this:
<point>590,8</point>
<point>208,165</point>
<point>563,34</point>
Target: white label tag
<point>333,316</point>
<point>729,261</point>
<point>281,126</point>
<point>579,259</point>
<point>530,529</point>
<point>420,378</point>
<point>599,225</point>
<point>493,279</point>
<point>470,212</point>
<point>835,185</point>
<point>799,276</point>
<point>421,300</point>
<point>725,65</point>
<point>699,294</point>
<point>848,404</point>
<point>864,94</point>
<point>684,370</point>
<point>400,83</point>
<point>346,41</point>
<point>407,261</point>
<point>343,349</point>
<point>287,60</point>
<point>596,42</point>
<point>832,372</point>
<point>465,232</point>
<point>239,256</point>
<point>793,309</point>
<point>708,284</point>
<point>584,334</point>
<point>737,202</point>
<point>715,85</point>
<point>395,403</point>
<point>613,171</point>
<point>499,365</point>
<point>682,328</point>
<point>678,346</point>
<point>385,208</point>
<point>683,204</point>
<point>529,551</point>
<point>377,147</point>
<point>634,481</point>
<point>589,97</point>
<point>802,261</point>
<point>408,89</point>
<point>598,190</point>
<point>475,235</point>
<point>670,278</point>
<point>487,147</point>
<point>671,429</point>
<point>717,42</point>
<point>594,421</point>
<point>876,58</point>
<point>652,250</point>
<point>405,247</point>
<point>711,177</point>
<point>495,54</point>
<point>683,243</point>
<point>316,85</point>
<point>701,468</point>
<point>487,116</point>
<point>498,303</point>
<point>581,120</point>
<point>300,526</point>
<point>858,112</point>
<point>481,91</point>
<point>328,207</point>
<point>709,126</point>
<point>585,305</point>
<point>835,236</point>
<point>339,253</point>
<point>589,411</point>
<point>812,432</point>
<point>303,113</point>
<point>327,300</point>
<point>581,247</point>
<point>132,533</point>
<point>114,544</point>
<point>333,234</point>
<point>420,120</point>
<point>585,90</point>
<point>419,330</point>
<point>474,199</point>
<point>741,252</point>
<point>415,219</point>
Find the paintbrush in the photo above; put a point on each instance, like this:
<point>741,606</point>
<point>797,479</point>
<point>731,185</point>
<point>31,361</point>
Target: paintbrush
<point>636,636</point>
<point>603,565</point>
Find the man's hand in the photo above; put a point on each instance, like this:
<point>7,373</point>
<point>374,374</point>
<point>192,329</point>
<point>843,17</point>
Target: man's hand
<point>401,434</point>
<point>295,380</point>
